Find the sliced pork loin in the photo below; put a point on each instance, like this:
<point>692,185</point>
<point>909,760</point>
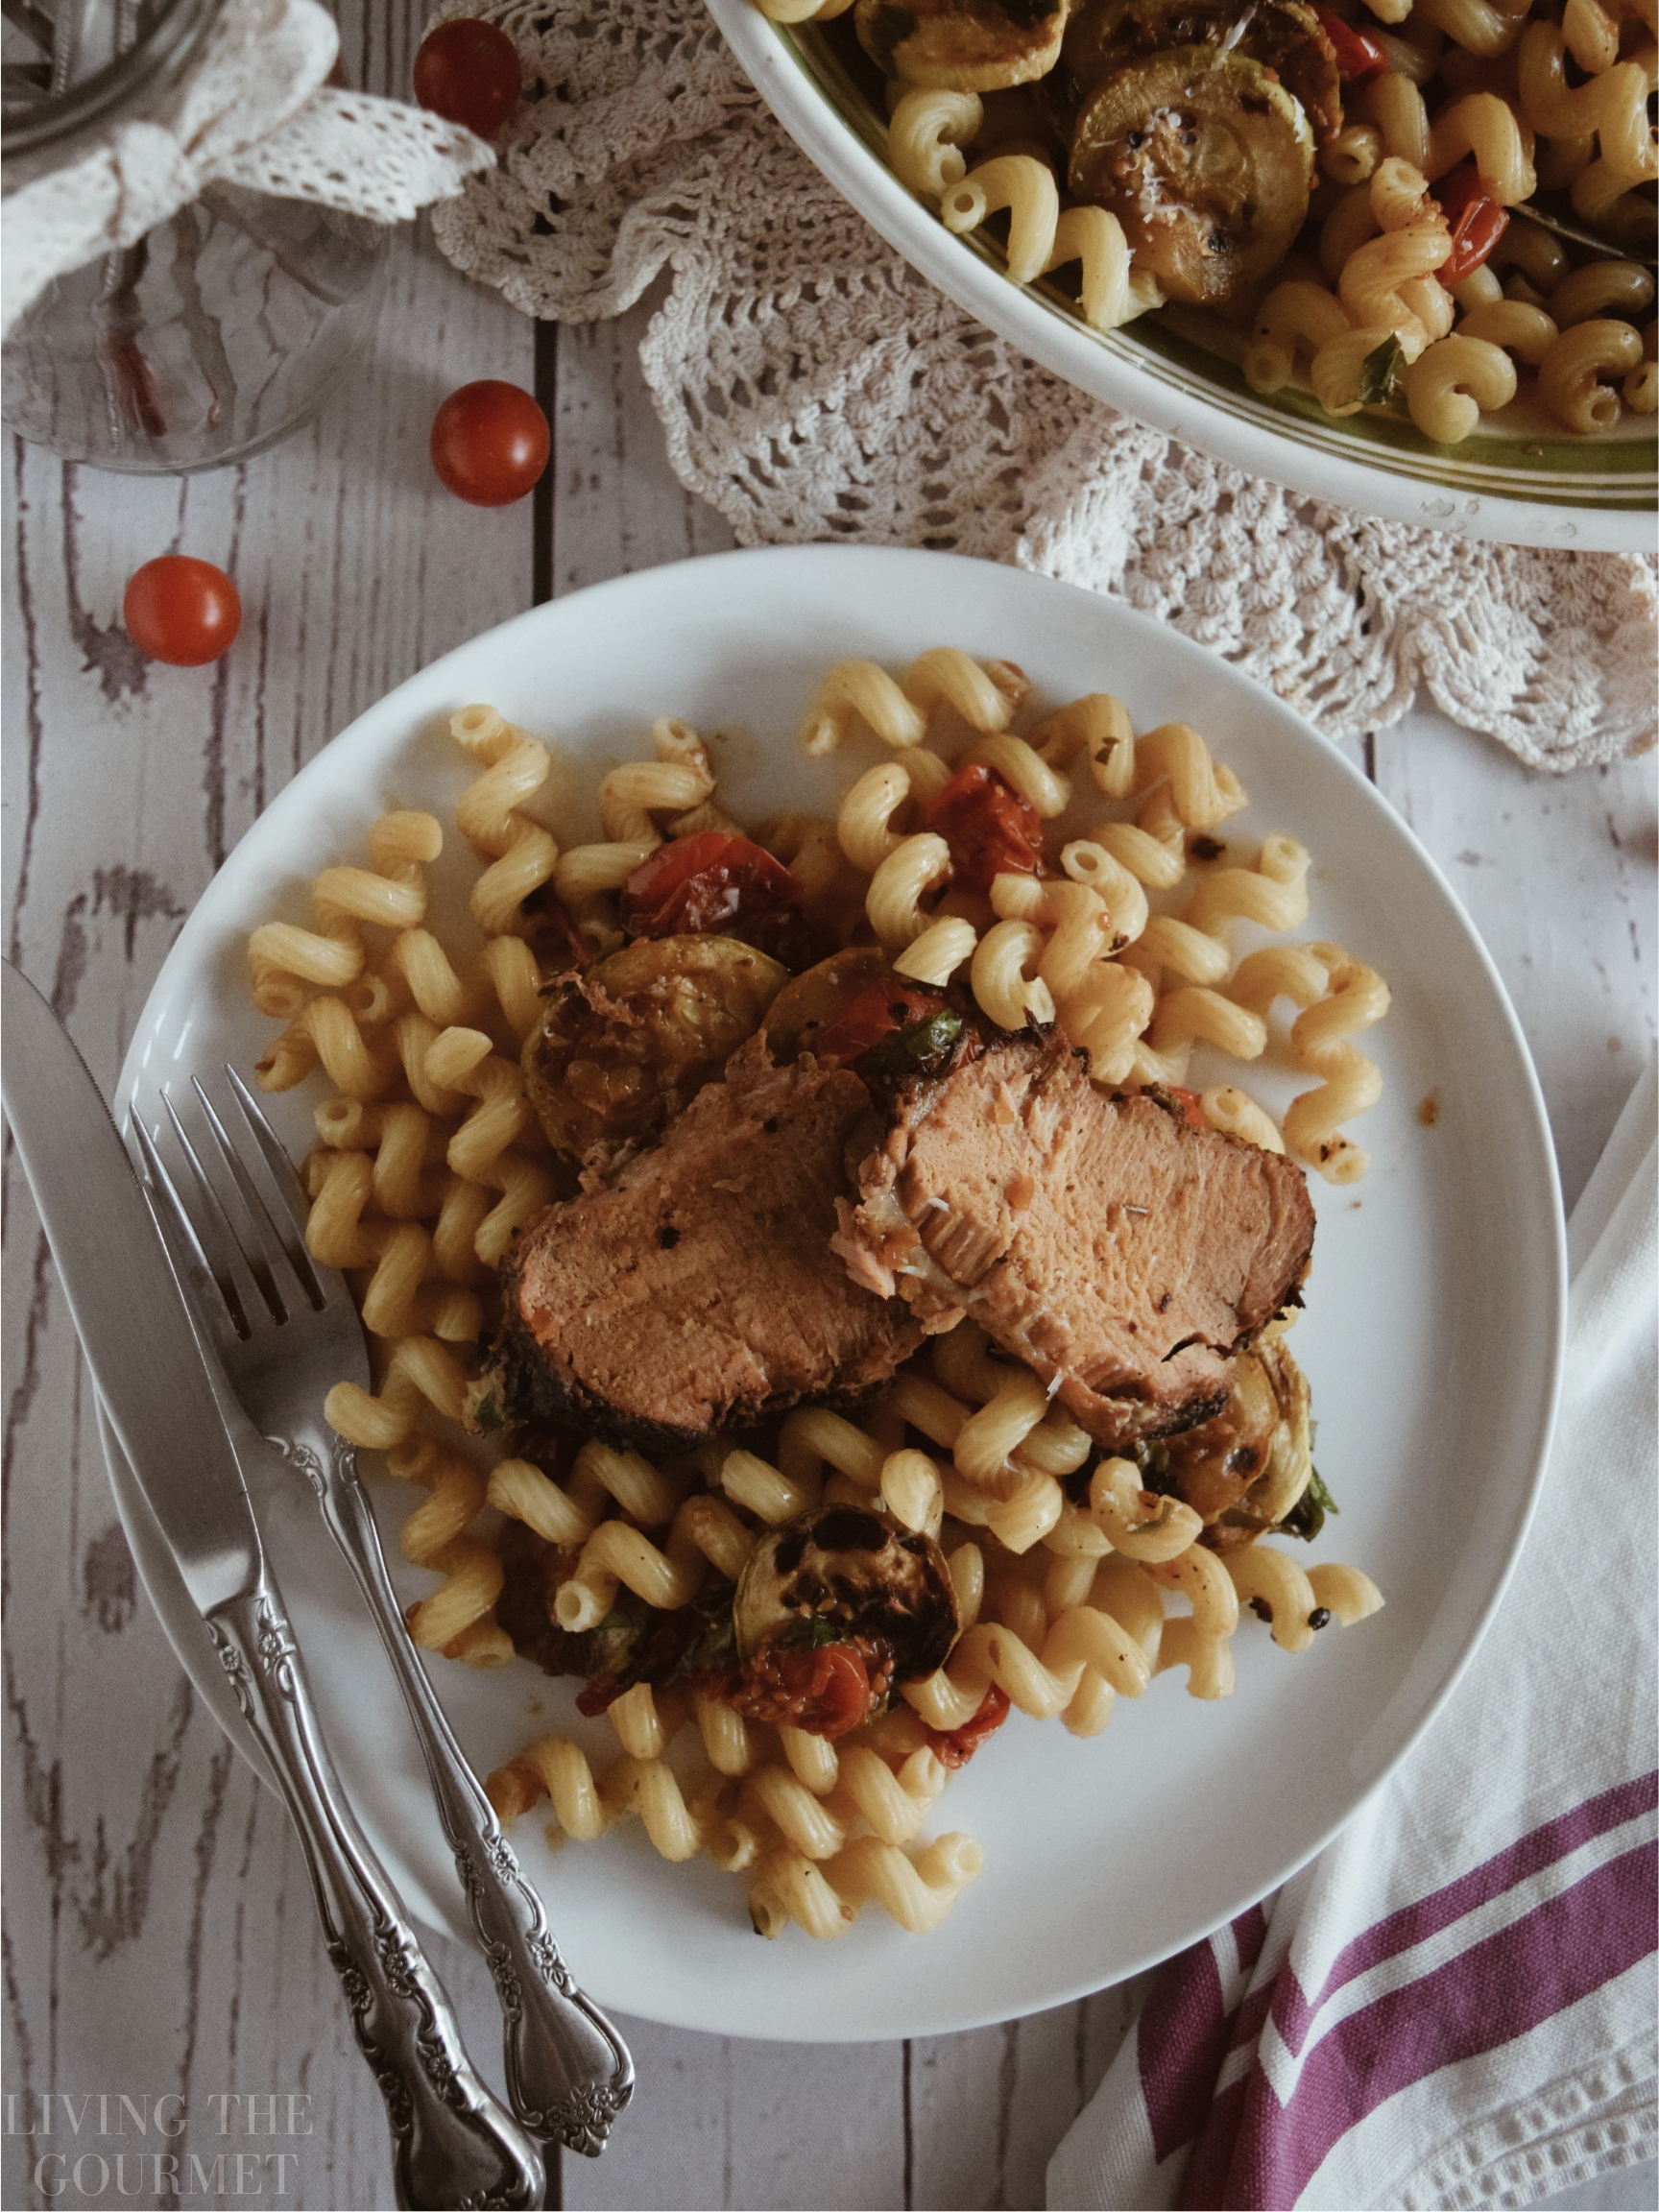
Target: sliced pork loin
<point>696,1290</point>
<point>1121,1253</point>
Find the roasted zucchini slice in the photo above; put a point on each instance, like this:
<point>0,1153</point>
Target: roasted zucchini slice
<point>1205,159</point>
<point>1285,36</point>
<point>1244,1471</point>
<point>962,45</point>
<point>627,1042</point>
<point>848,1571</point>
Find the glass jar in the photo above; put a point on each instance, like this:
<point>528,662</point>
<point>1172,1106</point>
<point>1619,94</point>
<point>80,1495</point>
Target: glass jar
<point>223,328</point>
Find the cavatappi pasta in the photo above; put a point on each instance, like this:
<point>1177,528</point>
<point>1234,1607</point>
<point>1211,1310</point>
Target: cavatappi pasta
<point>1074,1585</point>
<point>1369,234</point>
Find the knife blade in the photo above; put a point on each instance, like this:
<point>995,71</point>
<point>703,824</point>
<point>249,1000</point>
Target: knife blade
<point>453,2143</point>
<point>130,1313</point>
<point>127,1305</point>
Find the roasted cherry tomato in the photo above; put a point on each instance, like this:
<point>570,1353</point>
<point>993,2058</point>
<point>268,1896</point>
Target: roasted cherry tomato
<point>876,1013</point>
<point>1190,1114</point>
<point>956,1746</point>
<point>1477,222</point>
<point>826,1690</point>
<point>719,885</point>
<point>1359,54</point>
<point>181,610</point>
<point>469,72</point>
<point>489,443</point>
<point>991,830</point>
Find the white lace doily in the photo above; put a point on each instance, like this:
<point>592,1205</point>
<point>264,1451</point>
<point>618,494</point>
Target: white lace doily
<point>812,385</point>
<point>253,110</point>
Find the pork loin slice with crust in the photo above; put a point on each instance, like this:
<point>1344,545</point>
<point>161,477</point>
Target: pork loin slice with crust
<point>696,1290</point>
<point>1121,1253</point>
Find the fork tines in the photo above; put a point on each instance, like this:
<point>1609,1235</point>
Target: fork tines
<point>244,1225</point>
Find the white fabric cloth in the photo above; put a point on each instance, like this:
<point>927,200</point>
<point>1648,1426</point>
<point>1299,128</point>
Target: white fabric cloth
<point>253,110</point>
<point>812,385</point>
<point>1453,2005</point>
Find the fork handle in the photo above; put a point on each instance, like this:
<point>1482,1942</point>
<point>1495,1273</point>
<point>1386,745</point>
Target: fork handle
<point>452,2143</point>
<point>568,2072</point>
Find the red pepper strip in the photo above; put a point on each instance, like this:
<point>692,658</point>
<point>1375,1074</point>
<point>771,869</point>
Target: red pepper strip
<point>1477,221</point>
<point>1358,55</point>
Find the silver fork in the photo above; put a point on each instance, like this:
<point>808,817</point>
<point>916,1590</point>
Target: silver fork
<point>286,1329</point>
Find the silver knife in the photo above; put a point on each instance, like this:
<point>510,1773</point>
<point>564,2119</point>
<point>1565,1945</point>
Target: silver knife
<point>453,2144</point>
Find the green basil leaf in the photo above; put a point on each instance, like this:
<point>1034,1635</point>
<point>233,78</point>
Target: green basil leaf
<point>912,1051</point>
<point>810,1634</point>
<point>1379,372</point>
<point>1307,1517</point>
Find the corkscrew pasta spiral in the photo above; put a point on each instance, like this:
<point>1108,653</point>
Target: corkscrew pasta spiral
<point>925,133</point>
<point>284,961</point>
<point>522,854</point>
<point>1358,998</point>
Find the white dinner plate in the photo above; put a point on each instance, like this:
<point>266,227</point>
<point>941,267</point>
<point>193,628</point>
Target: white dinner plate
<point>1431,1334</point>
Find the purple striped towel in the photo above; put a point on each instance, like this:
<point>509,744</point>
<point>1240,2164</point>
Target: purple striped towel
<point>1453,2005</point>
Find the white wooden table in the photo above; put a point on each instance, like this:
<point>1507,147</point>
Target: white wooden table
<point>160,1942</point>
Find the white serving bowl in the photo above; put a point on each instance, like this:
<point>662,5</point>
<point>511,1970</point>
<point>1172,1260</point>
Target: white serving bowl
<point>1519,478</point>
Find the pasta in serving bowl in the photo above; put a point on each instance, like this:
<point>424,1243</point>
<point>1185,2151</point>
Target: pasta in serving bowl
<point>1330,355</point>
<point>1428,1486</point>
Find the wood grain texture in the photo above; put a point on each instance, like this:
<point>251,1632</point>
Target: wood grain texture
<point>1557,874</point>
<point>160,1935</point>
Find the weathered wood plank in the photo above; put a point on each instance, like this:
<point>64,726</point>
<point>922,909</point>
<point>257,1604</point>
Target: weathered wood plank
<point>989,2107</point>
<point>617,504</point>
<point>720,2121</point>
<point>161,1938</point>
<point>1558,876</point>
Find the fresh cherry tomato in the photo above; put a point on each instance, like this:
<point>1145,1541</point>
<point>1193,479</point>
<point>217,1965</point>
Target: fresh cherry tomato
<point>469,72</point>
<point>956,1746</point>
<point>1359,54</point>
<point>720,885</point>
<point>876,1013</point>
<point>181,610</point>
<point>1477,221</point>
<point>991,830</point>
<point>489,443</point>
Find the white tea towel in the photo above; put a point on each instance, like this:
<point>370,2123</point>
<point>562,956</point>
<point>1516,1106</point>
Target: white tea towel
<point>1453,2005</point>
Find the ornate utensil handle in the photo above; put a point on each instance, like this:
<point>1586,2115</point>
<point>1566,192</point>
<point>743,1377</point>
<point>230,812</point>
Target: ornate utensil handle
<point>568,2072</point>
<point>452,2144</point>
